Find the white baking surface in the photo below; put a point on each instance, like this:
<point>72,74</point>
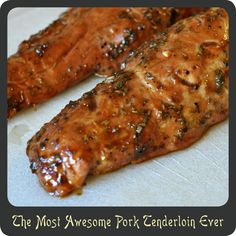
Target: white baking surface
<point>196,176</point>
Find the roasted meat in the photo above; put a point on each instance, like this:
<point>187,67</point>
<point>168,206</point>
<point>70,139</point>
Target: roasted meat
<point>172,90</point>
<point>81,42</point>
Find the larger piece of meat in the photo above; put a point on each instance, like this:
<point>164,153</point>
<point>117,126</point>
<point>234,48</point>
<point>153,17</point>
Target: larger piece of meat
<point>81,42</point>
<point>172,90</point>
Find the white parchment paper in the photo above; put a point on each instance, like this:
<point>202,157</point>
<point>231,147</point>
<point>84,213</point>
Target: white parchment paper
<point>196,176</point>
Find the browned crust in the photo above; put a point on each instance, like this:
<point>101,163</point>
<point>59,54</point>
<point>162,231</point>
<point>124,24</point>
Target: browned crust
<point>173,89</point>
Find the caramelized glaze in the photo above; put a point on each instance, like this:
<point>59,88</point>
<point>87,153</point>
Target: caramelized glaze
<point>168,95</point>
